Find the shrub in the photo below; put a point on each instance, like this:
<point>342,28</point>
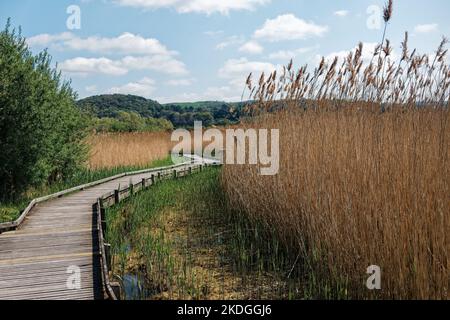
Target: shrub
<point>41,130</point>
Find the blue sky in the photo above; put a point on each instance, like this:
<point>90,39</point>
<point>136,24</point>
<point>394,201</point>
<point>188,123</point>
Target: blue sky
<point>192,50</point>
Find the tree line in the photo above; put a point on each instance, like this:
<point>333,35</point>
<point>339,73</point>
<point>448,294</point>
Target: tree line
<point>118,112</point>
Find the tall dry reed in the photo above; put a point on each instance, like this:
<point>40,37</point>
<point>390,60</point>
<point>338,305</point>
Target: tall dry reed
<point>128,149</point>
<point>364,170</point>
<point>358,188</point>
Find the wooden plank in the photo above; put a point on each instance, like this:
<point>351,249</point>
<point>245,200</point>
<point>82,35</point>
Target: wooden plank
<point>45,291</point>
<point>59,232</point>
<point>54,295</point>
<point>24,260</point>
<point>41,273</point>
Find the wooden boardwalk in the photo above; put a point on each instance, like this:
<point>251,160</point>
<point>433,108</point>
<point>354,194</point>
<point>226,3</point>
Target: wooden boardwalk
<point>57,235</point>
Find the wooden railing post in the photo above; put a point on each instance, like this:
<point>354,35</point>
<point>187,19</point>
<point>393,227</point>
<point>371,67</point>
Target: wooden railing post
<point>152,178</point>
<point>144,182</point>
<point>107,248</point>
<point>190,170</point>
<point>116,196</point>
<point>175,174</point>
<point>101,211</point>
<point>131,188</point>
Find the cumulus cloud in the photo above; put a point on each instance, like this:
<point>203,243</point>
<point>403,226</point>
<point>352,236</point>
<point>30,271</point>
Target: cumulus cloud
<point>45,39</point>
<point>198,6</point>
<point>236,72</point>
<point>180,82</point>
<point>367,53</point>
<point>219,93</point>
<point>341,13</point>
<point>141,53</point>
<point>251,47</point>
<point>126,43</point>
<point>290,54</point>
<point>144,88</point>
<point>241,68</point>
<point>426,28</point>
<point>289,27</point>
<point>160,63</point>
<point>83,66</point>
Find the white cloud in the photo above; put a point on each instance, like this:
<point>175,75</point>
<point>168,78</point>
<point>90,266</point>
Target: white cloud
<point>161,63</point>
<point>221,93</point>
<point>367,53</point>
<point>230,41</point>
<point>180,82</point>
<point>341,13</point>
<point>241,68</point>
<point>44,39</point>
<point>288,27</point>
<point>251,47</point>
<point>198,6</point>
<point>83,66</point>
<point>426,28</point>
<point>144,88</point>
<point>290,54</point>
<point>126,43</point>
<point>235,71</point>
<point>142,53</point>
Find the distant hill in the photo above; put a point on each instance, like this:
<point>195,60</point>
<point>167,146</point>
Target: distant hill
<point>179,114</point>
<point>109,105</point>
<point>200,104</point>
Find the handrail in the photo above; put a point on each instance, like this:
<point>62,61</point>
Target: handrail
<point>101,206</point>
<point>101,247</point>
<point>12,225</point>
<point>98,207</point>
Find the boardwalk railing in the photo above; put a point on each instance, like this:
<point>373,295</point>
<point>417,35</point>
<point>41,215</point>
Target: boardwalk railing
<point>148,178</point>
<point>8,226</point>
<point>112,198</point>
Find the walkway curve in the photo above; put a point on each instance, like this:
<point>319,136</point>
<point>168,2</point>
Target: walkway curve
<point>57,241</point>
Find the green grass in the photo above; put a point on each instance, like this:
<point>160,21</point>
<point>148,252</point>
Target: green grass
<point>11,210</point>
<point>185,242</point>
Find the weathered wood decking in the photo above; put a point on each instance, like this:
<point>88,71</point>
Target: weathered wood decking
<point>35,259</point>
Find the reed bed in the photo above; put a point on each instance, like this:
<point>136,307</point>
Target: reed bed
<point>364,171</point>
<point>180,240</point>
<point>358,188</point>
<point>113,150</point>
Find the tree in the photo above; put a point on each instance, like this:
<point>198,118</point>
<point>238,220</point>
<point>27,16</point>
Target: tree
<point>41,130</point>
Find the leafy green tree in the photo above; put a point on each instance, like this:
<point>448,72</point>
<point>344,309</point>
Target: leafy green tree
<point>152,124</point>
<point>41,130</point>
<point>131,121</point>
<point>206,118</point>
